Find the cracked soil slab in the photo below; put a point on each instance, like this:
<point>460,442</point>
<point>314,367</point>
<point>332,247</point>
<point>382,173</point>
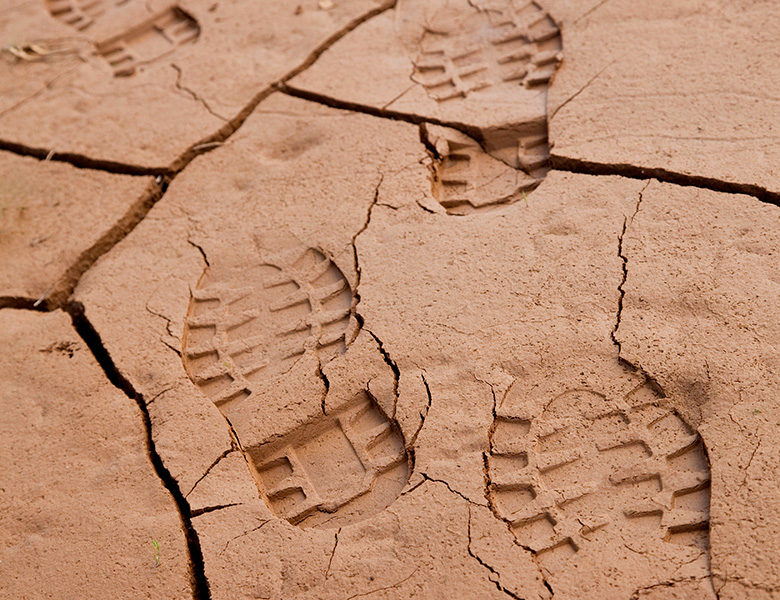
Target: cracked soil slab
<point>383,344</point>
<point>81,505</point>
<point>138,83</point>
<point>55,220</point>
<point>331,379</point>
<point>707,330</point>
<point>687,87</point>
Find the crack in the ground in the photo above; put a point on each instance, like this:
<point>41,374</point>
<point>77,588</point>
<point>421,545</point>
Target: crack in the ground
<point>579,91</point>
<point>750,463</point>
<point>745,583</point>
<point>671,583</point>
<point>590,11</point>
<point>488,491</point>
<point>21,303</point>
<point>621,290</point>
<point>333,552</point>
<point>393,367</point>
<point>168,325</point>
<point>472,131</point>
<point>585,167</point>
<point>200,249</point>
<point>325,383</point>
<point>649,380</point>
<point>208,470</point>
<point>202,511</point>
<point>63,288</point>
<point>451,489</point>
<point>424,412</point>
<point>60,292</point>
<point>209,142</point>
<point>163,177</point>
<point>80,161</point>
<point>192,94</point>
<point>414,487</point>
<point>627,221</point>
<point>385,588</point>
<point>228,129</point>
<point>87,332</point>
<point>361,321</point>
<point>36,93</point>
<point>92,339</point>
<point>240,535</point>
<point>358,272</point>
<point>158,394</point>
<point>493,571</point>
<point>558,163</point>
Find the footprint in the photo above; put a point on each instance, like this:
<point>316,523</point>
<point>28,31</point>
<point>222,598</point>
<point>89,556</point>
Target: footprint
<point>481,55</point>
<point>335,469</point>
<point>504,43</point>
<point>252,323</point>
<point>582,471</point>
<point>467,179</point>
<point>142,41</point>
<point>81,14</point>
<point>149,41</point>
<point>249,323</point>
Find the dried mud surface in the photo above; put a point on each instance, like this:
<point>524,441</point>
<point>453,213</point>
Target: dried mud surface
<point>81,502</point>
<point>347,298</point>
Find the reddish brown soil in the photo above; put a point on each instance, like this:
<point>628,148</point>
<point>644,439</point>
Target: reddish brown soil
<point>349,298</point>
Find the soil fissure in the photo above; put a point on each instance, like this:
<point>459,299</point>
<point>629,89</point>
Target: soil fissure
<point>80,161</point>
<point>557,163</point>
<point>586,167</point>
<point>494,573</point>
<point>90,336</point>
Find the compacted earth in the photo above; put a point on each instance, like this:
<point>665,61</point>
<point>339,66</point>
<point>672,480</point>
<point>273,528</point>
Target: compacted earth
<point>338,299</point>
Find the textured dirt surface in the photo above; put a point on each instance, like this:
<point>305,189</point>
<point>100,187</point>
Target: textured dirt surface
<point>81,503</point>
<point>135,83</point>
<point>675,86</point>
<point>55,220</point>
<point>413,300</point>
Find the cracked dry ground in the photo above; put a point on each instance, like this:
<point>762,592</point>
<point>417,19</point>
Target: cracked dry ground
<point>367,299</point>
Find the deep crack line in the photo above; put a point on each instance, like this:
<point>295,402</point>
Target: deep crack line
<point>358,272</point>
<point>586,167</point>
<point>393,367</point>
<point>63,288</point>
<point>228,129</point>
<point>621,289</point>
<point>624,266</point>
<point>209,142</point>
<point>497,580</point>
<point>21,303</point>
<point>202,511</point>
<point>470,130</point>
<point>326,386</point>
<point>198,581</point>
<point>163,176</point>
<point>80,161</point>
<point>557,162</point>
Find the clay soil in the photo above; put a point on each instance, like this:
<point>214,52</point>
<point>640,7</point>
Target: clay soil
<point>339,299</point>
